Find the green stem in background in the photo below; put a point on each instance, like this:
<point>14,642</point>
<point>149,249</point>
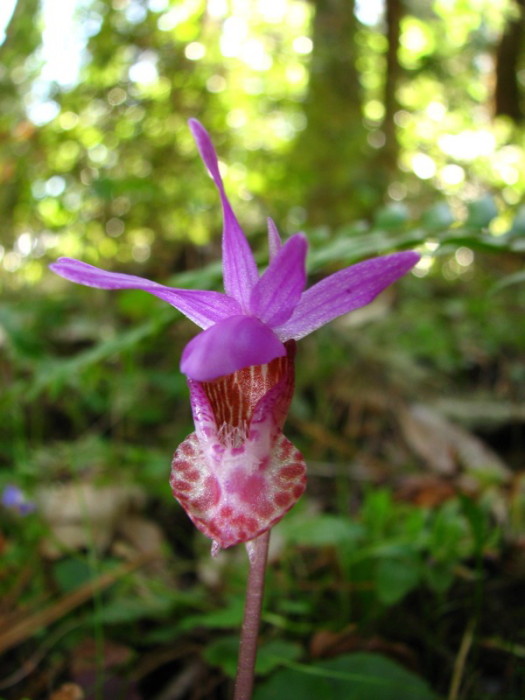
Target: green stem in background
<point>258,554</point>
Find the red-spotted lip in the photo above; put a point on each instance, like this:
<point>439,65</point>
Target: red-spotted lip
<point>234,503</point>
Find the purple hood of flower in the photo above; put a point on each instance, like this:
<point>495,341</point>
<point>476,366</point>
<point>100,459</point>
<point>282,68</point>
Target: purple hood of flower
<point>249,324</point>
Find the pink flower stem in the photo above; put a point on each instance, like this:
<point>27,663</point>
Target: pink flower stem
<point>258,553</point>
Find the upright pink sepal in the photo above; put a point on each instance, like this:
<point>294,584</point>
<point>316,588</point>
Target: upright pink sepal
<point>279,289</point>
<point>239,268</point>
<point>274,239</point>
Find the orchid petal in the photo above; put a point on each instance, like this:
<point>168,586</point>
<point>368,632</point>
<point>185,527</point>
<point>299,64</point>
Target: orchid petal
<point>204,308</point>
<point>279,289</point>
<point>345,291</point>
<point>274,239</point>
<point>239,268</point>
<point>230,345</point>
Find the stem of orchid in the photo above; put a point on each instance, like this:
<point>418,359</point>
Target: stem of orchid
<point>258,554</point>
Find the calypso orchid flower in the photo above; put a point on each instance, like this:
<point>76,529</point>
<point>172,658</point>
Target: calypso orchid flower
<point>237,475</point>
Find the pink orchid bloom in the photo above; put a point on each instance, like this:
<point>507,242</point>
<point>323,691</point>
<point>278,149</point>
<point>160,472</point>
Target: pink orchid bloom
<point>237,475</point>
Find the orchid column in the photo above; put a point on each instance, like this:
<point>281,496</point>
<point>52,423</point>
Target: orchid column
<point>237,475</point>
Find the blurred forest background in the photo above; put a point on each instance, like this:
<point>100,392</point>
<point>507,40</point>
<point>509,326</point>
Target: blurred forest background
<point>374,126</point>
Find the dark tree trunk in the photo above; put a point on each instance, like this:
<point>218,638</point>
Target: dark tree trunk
<point>507,95</point>
<point>333,75</point>
<point>394,13</point>
<point>332,148</point>
<point>22,34</point>
<point>17,157</point>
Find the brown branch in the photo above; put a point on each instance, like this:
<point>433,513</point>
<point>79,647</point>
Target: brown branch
<point>36,620</point>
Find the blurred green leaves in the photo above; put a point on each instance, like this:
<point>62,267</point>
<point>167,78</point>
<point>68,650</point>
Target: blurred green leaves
<point>358,676</point>
<point>270,655</point>
<point>397,547</point>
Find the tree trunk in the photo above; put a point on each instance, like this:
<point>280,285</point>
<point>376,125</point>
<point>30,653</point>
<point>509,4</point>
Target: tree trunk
<point>507,96</point>
<point>394,13</point>
<point>22,34</point>
<point>331,149</point>
<point>17,158</point>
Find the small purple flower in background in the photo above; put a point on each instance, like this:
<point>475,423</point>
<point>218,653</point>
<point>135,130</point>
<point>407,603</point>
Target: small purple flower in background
<point>237,475</point>
<point>13,498</point>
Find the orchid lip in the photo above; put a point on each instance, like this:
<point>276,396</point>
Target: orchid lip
<point>237,475</point>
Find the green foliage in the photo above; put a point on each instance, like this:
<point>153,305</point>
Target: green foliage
<point>223,653</point>
<point>228,616</point>
<point>71,573</point>
<point>398,547</point>
<point>350,677</point>
<point>321,530</point>
<point>395,576</point>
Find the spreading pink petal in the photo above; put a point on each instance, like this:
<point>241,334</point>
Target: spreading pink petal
<point>203,307</point>
<point>230,345</point>
<point>274,239</point>
<point>239,268</point>
<point>279,289</point>
<point>345,291</point>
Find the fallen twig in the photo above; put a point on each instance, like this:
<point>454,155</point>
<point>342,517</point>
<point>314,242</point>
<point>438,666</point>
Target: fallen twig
<point>35,621</point>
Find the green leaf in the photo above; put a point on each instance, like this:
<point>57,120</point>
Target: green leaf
<point>275,654</point>
<point>229,616</point>
<point>393,216</point>
<point>72,573</point>
<point>59,371</point>
<point>394,578</point>
<point>438,575</point>
<point>320,530</point>
<point>131,608</point>
<point>478,521</point>
<point>296,684</point>
<point>438,217</point>
<point>518,225</point>
<point>481,212</point>
<point>377,512</point>
<point>224,653</point>
<point>358,676</point>
<point>507,281</point>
